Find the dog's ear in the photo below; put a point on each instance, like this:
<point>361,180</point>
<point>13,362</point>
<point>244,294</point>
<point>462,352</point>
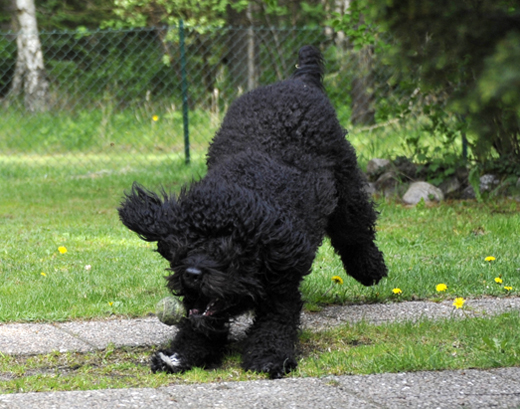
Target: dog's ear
<point>147,214</point>
<point>285,249</point>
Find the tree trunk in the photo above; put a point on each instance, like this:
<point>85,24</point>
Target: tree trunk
<point>30,71</point>
<point>362,95</point>
<point>360,63</point>
<point>251,69</point>
<point>241,55</point>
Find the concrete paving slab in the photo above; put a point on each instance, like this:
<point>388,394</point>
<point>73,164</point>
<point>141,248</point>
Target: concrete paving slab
<point>120,332</point>
<point>408,311</point>
<point>29,339</point>
<point>285,393</point>
<point>109,398</point>
<point>470,388</point>
<point>447,389</point>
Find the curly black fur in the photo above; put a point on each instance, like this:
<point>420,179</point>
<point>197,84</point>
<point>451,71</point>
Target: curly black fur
<point>281,176</point>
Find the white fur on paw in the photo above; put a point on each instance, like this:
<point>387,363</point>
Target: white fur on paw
<point>173,361</point>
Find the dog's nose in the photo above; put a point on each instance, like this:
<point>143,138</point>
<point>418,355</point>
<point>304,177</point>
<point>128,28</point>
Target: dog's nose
<point>193,270</point>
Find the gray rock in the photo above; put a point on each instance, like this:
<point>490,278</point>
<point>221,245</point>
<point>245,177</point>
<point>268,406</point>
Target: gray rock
<point>422,190</point>
<point>405,167</point>
<point>488,182</point>
<point>375,166</point>
<point>450,185</point>
<point>462,174</point>
<point>468,193</point>
<point>370,188</point>
<point>387,183</point>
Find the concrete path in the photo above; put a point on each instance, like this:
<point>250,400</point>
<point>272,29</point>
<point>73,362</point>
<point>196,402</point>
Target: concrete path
<point>499,388</point>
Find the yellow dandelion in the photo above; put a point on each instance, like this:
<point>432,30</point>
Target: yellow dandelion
<point>43,274</point>
<point>508,288</point>
<point>459,302</point>
<point>490,258</point>
<point>337,280</point>
<point>397,291</point>
<point>441,287</point>
<point>155,118</point>
<point>498,280</point>
<point>62,250</point>
<point>110,303</point>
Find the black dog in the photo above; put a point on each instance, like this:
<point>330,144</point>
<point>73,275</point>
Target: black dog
<point>281,176</point>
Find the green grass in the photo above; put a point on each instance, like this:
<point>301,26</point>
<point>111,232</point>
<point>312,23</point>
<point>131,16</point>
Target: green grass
<point>46,204</point>
<point>62,177</point>
<point>103,130</point>
<point>352,349</point>
<point>404,347</point>
<point>43,207</point>
<point>106,132</point>
<point>425,246</point>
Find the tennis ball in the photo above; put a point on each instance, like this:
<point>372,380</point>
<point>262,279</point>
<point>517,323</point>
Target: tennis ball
<point>170,310</point>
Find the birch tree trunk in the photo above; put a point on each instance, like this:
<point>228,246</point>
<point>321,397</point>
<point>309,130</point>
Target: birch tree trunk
<point>29,75</point>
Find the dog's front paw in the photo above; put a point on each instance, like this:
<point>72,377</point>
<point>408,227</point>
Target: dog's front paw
<point>274,367</point>
<point>164,361</point>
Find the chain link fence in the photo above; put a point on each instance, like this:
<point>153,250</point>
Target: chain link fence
<point>141,95</point>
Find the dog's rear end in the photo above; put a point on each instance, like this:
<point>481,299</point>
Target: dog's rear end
<point>351,226</point>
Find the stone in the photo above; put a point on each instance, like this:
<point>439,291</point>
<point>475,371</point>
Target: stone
<point>405,167</point>
<point>386,183</point>
<point>450,185</point>
<point>422,190</point>
<point>376,166</point>
<point>468,193</point>
<point>488,182</point>
<point>370,188</point>
<point>462,174</point>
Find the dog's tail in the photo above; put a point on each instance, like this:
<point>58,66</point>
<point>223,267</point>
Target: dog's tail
<point>310,66</point>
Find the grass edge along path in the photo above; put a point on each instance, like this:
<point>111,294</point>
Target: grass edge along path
<point>358,348</point>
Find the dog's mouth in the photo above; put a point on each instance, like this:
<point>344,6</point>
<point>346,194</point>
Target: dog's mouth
<point>210,309</point>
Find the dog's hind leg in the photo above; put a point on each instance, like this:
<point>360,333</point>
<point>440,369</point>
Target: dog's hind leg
<point>351,229</point>
<point>189,349</point>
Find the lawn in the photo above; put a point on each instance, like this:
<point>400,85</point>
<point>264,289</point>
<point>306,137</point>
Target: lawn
<point>64,255</point>
<point>107,269</point>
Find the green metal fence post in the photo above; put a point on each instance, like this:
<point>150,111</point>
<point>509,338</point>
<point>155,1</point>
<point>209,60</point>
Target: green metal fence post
<point>185,120</point>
